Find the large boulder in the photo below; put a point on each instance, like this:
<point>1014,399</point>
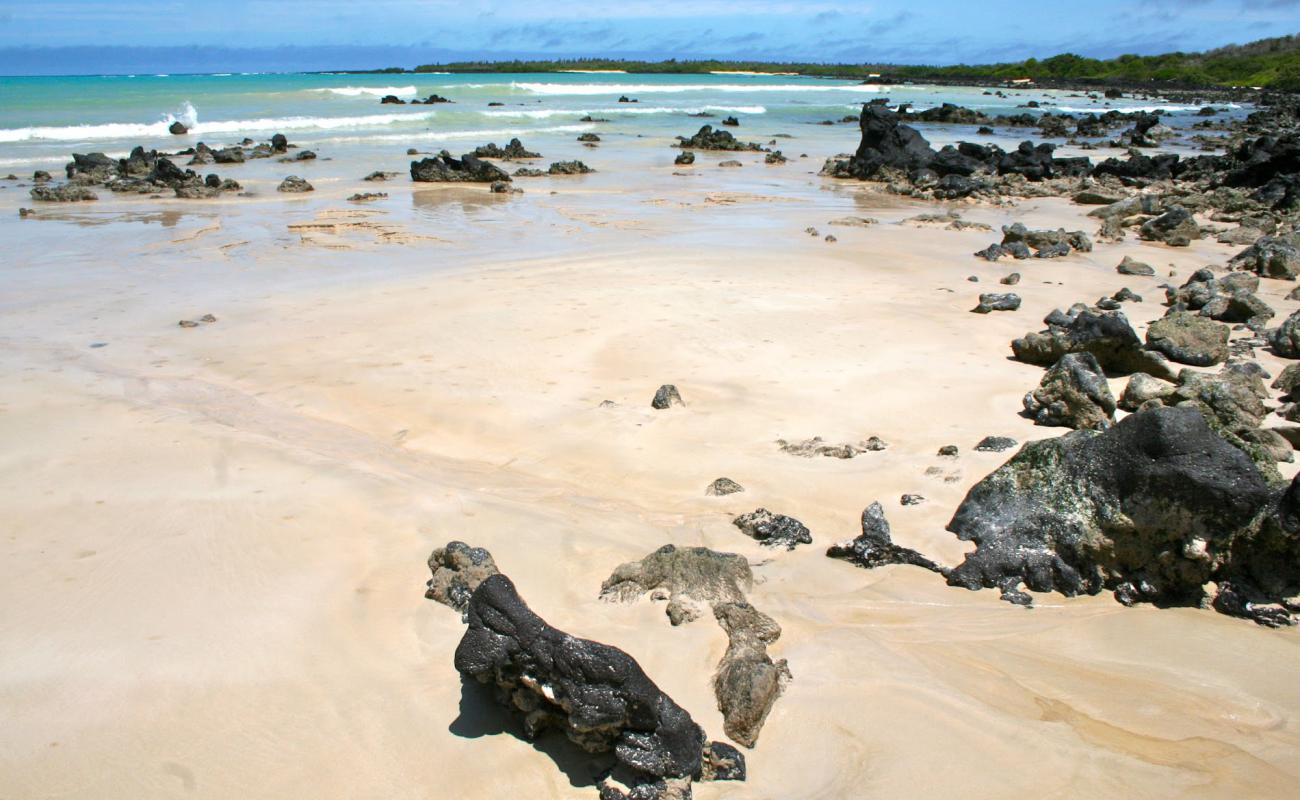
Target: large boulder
<point>1073,394</point>
<point>1189,339</point>
<point>442,168</point>
<point>597,695</point>
<point>1285,339</point>
<point>1153,509</point>
<point>887,142</point>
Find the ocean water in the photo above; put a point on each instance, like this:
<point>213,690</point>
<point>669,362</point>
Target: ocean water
<point>44,119</point>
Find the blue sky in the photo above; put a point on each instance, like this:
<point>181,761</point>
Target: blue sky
<point>94,35</point>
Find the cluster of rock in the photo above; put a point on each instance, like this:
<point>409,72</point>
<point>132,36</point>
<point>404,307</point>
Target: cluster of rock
<point>392,99</point>
<point>706,138</point>
<point>747,682</point>
<point>246,150</point>
<point>595,694</point>
<point>512,151</point>
<point>469,168</point>
<point>816,446</point>
<point>143,172</point>
<point>1019,242</point>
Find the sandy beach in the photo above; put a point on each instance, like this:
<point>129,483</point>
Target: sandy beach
<point>215,537</point>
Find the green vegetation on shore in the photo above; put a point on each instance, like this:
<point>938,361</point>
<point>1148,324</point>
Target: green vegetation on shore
<point>1270,63</point>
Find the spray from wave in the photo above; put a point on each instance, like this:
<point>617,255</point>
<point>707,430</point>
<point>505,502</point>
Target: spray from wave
<point>652,88</point>
<point>373,91</point>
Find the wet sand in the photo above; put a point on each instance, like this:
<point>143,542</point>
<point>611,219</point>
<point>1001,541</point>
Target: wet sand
<point>215,538</point>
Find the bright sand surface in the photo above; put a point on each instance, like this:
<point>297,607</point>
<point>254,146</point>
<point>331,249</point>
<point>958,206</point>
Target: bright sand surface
<point>214,539</point>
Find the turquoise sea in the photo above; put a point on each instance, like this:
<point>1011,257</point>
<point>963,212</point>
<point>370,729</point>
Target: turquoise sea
<point>43,119</point>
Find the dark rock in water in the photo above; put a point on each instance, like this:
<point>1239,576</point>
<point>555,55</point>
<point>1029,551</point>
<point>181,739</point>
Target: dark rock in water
<point>1130,267</point>
<point>391,99</point>
<point>457,570</point>
<point>1175,228</point>
<point>1153,509</point>
<point>706,138</point>
<point>817,446</point>
<point>430,100</point>
<point>997,302</point>
<point>691,578</point>
<point>294,184</point>
<point>279,144</point>
<point>177,129</point>
<point>1107,336</point>
<point>666,397</point>
<point>1073,394</point>
<point>569,168</point>
<point>684,159</point>
<point>773,530</point>
<point>588,137</point>
<point>501,187</point>
<point>1270,257</point>
<point>995,444</point>
<point>874,547</point>
<point>748,682</point>
<point>228,155</point>
<point>723,486</point>
<point>366,197</point>
<point>513,150</point>
<point>626,99</point>
<point>597,695</point>
<point>1189,339</point>
<point>380,176</point>
<point>1285,340</point>
<point>731,122</point>
<point>442,168</point>
<point>40,176</point>
<point>67,193</point>
<point>774,157</point>
<point>528,172</point>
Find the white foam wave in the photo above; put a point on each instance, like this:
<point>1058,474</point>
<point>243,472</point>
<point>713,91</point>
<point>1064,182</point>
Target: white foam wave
<point>481,134</point>
<point>547,113</point>
<point>652,88</point>
<point>377,91</point>
<point>134,130</point>
<point>1153,109</point>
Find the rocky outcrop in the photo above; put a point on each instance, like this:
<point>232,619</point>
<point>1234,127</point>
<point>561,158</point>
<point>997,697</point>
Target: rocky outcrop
<point>1106,335</point>
<point>816,446</point>
<point>1153,509</point>
<point>706,138</point>
<point>514,150</point>
<point>875,547</point>
<point>67,193</point>
<point>569,168</point>
<point>597,695</point>
<point>442,168</point>
<point>773,530</point>
<point>1073,394</point>
<point>691,579</point>
<point>1020,242</point>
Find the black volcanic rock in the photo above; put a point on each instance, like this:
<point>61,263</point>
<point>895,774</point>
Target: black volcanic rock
<point>874,547</point>
<point>442,168</point>
<point>1152,509</point>
<point>597,695</point>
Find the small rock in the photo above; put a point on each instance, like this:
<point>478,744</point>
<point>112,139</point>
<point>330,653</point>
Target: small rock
<point>723,486</point>
<point>773,530</point>
<point>666,397</point>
